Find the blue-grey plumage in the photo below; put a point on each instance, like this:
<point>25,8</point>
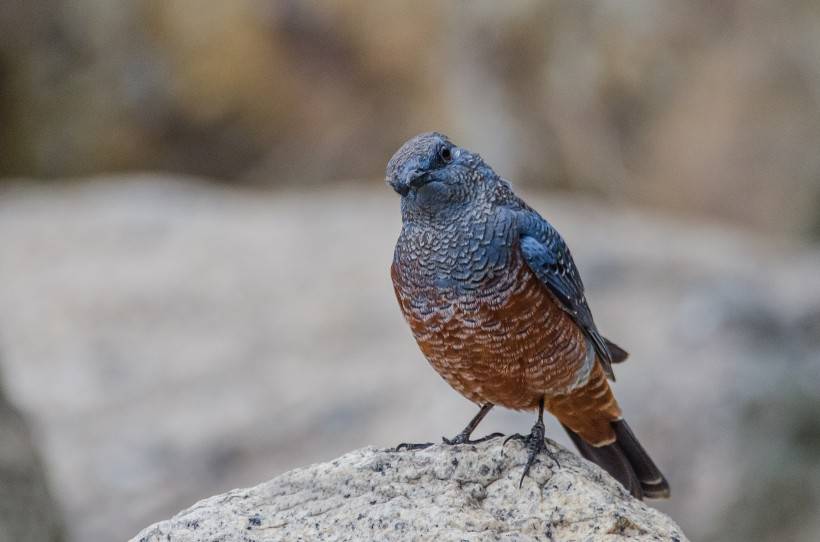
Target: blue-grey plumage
<point>497,305</point>
<point>452,195</point>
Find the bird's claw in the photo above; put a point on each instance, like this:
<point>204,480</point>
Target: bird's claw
<point>535,444</point>
<point>461,438</point>
<point>412,446</point>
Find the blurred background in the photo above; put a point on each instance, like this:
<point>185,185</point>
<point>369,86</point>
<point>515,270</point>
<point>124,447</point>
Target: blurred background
<point>195,239</point>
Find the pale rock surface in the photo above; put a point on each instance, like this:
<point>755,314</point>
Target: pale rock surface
<point>167,340</point>
<point>466,492</point>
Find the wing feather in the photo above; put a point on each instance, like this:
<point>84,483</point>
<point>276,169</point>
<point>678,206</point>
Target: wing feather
<point>548,256</point>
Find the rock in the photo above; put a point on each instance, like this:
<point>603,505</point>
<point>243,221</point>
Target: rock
<point>593,98</point>
<point>27,511</point>
<point>169,339</point>
<point>466,492</point>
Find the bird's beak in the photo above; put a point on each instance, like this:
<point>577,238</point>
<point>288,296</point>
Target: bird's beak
<point>411,180</point>
<point>418,179</point>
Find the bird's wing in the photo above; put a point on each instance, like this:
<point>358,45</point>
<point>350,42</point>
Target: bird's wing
<point>548,256</point>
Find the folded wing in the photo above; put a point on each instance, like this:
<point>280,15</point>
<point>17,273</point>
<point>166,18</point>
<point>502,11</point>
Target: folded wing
<point>548,256</point>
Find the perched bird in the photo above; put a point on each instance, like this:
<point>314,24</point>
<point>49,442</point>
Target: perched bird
<point>497,307</point>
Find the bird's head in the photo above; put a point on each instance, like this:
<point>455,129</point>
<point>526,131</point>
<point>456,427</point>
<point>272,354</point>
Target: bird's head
<point>432,174</point>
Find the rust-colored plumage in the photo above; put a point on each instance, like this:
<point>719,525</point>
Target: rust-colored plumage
<point>511,345</point>
<point>496,305</point>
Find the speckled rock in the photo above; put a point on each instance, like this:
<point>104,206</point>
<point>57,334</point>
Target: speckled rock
<point>442,493</point>
<point>167,340</point>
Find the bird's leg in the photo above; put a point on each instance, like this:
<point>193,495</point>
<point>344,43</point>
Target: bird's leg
<point>461,438</point>
<point>464,436</point>
<point>535,442</point>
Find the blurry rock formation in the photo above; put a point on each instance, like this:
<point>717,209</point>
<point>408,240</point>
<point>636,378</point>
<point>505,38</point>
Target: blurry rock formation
<point>172,339</point>
<point>27,510</point>
<point>701,106</point>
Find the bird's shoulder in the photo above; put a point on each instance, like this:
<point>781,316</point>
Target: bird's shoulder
<point>550,259</point>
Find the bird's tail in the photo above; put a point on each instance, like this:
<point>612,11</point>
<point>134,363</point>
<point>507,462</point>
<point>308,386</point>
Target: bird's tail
<point>627,461</point>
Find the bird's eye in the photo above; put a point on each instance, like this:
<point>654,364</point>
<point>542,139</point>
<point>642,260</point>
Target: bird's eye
<point>445,154</point>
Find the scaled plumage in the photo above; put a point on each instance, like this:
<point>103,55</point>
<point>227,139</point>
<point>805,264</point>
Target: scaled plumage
<point>497,306</point>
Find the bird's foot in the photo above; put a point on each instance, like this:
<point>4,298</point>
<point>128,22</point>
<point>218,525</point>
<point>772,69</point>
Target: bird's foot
<point>535,444</point>
<point>464,438</point>
<point>461,438</point>
<point>412,446</point>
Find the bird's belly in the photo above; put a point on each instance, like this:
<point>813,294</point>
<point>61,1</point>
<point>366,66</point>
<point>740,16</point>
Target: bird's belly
<point>506,342</point>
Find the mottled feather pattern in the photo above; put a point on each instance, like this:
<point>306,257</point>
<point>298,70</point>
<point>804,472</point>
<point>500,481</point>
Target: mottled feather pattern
<point>550,258</point>
<point>589,409</point>
<point>497,306</point>
<point>482,318</point>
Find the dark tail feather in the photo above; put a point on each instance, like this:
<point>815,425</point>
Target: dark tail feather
<point>611,459</point>
<point>653,483</point>
<point>618,354</point>
<point>626,461</point>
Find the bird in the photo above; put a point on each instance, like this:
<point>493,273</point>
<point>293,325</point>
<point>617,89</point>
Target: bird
<point>497,306</point>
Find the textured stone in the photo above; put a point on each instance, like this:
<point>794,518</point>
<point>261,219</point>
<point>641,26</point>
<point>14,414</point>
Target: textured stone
<point>442,493</point>
<point>168,340</point>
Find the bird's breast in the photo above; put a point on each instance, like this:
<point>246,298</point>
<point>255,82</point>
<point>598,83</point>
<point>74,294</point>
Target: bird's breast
<point>494,332</point>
